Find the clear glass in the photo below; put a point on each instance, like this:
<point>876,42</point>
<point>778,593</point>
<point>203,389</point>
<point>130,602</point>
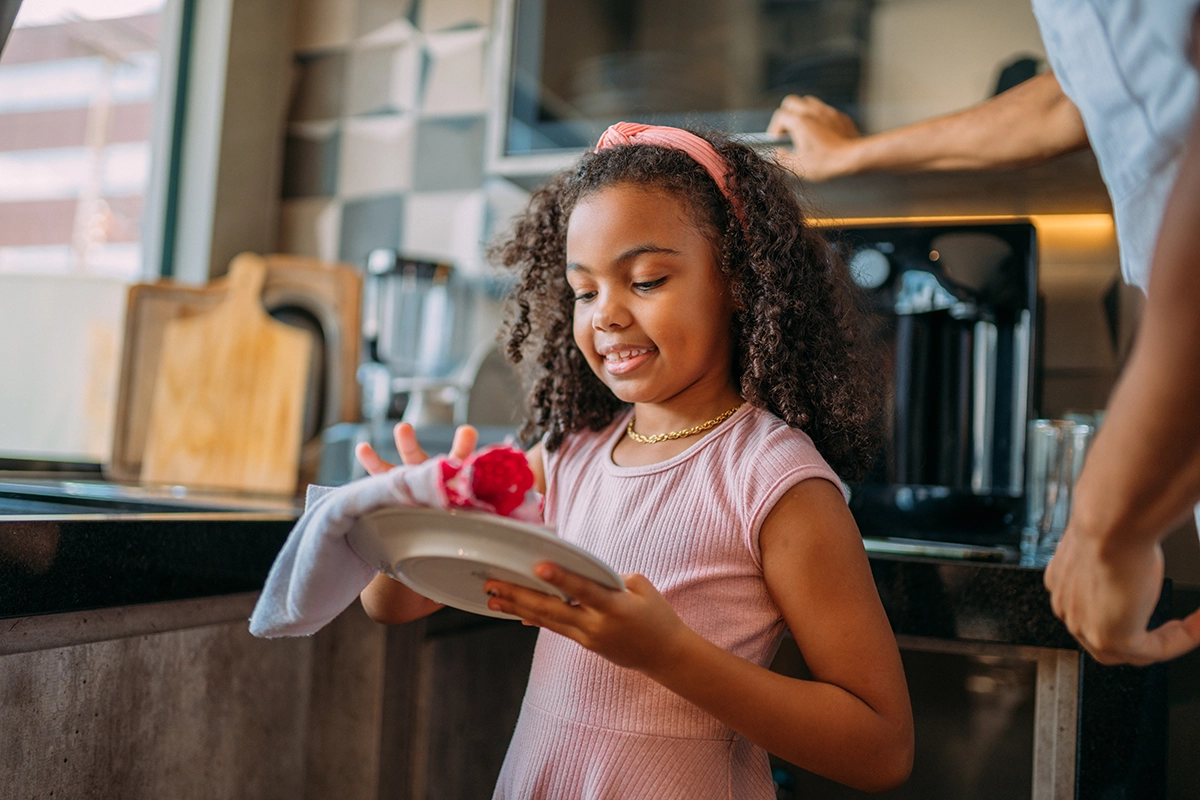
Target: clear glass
<point>580,65</point>
<point>78,81</point>
<point>1055,452</point>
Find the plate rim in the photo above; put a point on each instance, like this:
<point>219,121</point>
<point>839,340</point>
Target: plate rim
<point>487,521</point>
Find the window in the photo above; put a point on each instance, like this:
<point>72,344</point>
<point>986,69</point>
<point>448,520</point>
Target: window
<point>82,124</point>
<point>78,82</point>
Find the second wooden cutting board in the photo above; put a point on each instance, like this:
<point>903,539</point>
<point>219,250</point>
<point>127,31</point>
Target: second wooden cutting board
<point>229,395</point>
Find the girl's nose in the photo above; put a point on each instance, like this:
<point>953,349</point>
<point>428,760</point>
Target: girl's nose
<point>609,314</point>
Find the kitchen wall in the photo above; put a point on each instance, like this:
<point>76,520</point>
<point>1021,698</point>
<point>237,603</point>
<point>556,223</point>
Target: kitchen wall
<point>929,57</point>
<point>386,131</point>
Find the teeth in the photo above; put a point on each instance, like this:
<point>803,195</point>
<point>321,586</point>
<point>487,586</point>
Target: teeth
<point>623,355</point>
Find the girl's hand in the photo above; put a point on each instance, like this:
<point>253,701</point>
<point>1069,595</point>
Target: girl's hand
<point>386,600</point>
<point>637,628</point>
<point>465,439</point>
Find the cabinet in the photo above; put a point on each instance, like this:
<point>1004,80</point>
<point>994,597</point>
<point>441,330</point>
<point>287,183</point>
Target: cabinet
<point>1005,704</point>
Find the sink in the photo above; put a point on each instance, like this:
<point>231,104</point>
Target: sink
<point>57,496</point>
<point>931,549</point>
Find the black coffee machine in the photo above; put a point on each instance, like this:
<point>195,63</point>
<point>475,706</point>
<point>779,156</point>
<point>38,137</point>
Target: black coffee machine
<point>956,306</point>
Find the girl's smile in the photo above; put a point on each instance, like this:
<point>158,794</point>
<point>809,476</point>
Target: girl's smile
<point>621,359</point>
<point>652,310</point>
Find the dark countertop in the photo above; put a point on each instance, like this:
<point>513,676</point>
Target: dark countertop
<point>74,545</point>
<point>52,563</point>
<point>966,601</point>
<point>55,562</point>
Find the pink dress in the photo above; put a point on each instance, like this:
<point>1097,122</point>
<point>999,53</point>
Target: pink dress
<point>590,729</point>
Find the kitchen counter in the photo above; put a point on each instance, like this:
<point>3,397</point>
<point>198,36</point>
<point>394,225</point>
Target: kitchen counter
<point>118,572</point>
<point>56,562</point>
<point>76,545</point>
<point>69,546</point>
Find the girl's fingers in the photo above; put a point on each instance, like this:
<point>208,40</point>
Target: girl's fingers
<point>557,626</point>
<point>537,607</point>
<point>465,439</point>
<point>411,452</point>
<point>370,460</point>
<point>407,445</point>
<point>587,592</point>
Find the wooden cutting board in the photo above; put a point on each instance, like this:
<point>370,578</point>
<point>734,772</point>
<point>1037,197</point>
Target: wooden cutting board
<point>229,395</point>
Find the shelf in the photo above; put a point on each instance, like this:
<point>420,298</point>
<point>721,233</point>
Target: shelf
<point>1067,185</point>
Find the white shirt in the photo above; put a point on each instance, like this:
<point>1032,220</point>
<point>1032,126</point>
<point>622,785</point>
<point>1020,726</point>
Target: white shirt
<point>1124,63</point>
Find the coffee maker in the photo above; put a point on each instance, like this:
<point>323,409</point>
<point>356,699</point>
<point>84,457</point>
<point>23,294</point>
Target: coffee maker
<point>954,305</point>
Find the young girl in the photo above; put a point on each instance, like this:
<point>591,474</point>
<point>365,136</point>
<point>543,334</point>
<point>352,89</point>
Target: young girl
<point>699,386</point>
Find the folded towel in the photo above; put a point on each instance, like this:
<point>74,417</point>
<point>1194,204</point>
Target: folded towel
<point>317,575</point>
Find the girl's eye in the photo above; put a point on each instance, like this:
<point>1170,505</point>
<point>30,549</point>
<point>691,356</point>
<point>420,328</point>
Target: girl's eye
<point>644,286</point>
<point>583,297</point>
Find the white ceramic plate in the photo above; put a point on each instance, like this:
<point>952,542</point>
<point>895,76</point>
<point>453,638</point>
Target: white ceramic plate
<point>447,555</point>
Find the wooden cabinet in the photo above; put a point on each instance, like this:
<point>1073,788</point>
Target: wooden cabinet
<point>453,693</point>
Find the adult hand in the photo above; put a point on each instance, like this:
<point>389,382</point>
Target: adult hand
<point>635,628</point>
<point>822,137</point>
<point>1106,600</point>
<point>465,439</point>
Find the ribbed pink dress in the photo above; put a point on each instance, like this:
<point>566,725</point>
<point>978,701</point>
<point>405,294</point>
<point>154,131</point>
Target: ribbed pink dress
<point>590,729</point>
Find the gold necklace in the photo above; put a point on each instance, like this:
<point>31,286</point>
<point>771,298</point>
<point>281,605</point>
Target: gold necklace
<point>663,437</point>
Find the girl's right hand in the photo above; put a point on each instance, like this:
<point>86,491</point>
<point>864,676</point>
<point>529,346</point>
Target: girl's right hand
<point>637,629</point>
<point>465,439</point>
<point>386,600</point>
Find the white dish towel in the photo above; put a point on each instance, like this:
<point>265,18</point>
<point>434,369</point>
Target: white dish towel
<point>316,575</point>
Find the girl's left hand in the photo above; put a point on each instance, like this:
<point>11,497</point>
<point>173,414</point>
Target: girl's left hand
<point>636,628</point>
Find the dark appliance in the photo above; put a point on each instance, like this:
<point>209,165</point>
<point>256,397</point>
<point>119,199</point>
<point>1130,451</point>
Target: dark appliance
<point>955,305</point>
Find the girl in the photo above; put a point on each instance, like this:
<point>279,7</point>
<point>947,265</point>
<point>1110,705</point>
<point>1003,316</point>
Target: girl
<point>699,384</point>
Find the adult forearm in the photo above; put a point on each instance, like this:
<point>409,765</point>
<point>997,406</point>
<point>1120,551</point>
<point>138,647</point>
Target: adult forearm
<point>1028,124</point>
<point>1143,474</point>
<point>818,726</point>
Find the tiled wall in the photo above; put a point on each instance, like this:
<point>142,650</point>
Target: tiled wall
<point>385,142</point>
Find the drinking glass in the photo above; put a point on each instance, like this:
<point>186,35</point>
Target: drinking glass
<point>1055,452</point>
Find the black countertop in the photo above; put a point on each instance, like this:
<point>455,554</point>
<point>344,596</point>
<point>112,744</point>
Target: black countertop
<point>52,563</point>
<point>80,545</point>
<point>55,564</point>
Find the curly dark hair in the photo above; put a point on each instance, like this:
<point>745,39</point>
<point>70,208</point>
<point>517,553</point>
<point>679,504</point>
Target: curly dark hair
<point>801,346</point>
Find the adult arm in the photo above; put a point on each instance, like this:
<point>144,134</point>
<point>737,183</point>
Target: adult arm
<point>1028,124</point>
<point>1142,475</point>
<point>851,723</point>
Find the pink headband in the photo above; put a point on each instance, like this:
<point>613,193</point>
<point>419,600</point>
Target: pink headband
<point>703,153</point>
